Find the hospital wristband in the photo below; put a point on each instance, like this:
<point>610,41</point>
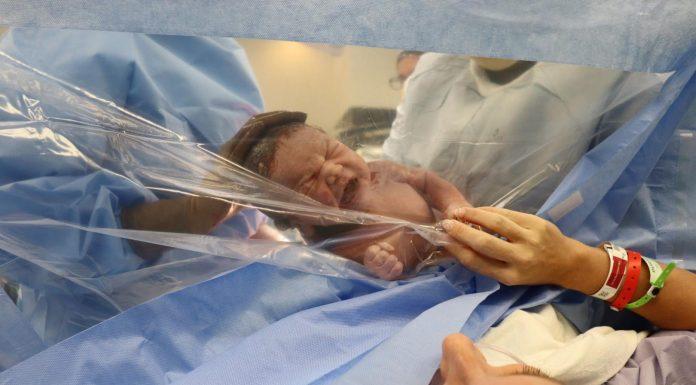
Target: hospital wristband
<point>657,282</point>
<point>630,283</point>
<point>618,259</point>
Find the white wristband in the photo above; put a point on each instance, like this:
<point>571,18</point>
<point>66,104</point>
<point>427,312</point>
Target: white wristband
<point>655,272</point>
<point>654,268</point>
<point>618,259</point>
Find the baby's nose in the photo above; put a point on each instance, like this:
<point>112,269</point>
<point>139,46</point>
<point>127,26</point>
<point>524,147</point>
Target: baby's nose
<point>334,173</point>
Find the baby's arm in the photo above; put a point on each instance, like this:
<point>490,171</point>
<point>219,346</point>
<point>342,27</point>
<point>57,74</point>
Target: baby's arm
<point>440,194</point>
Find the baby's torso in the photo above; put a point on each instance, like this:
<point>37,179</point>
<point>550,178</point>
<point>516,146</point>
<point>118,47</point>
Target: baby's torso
<point>383,195</point>
<point>394,199</point>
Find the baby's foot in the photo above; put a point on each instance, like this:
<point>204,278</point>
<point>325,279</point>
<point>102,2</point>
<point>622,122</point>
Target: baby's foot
<point>381,260</point>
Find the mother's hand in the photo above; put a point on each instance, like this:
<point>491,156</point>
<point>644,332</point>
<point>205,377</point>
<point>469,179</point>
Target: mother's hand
<point>534,250</point>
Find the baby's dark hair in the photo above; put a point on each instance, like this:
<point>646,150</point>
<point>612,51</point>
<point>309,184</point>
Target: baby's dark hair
<point>260,158</point>
<point>255,147</point>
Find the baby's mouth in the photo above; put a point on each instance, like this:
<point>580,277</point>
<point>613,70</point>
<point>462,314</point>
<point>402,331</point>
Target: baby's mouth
<point>349,193</point>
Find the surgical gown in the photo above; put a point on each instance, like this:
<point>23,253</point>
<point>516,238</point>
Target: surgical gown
<point>512,143</point>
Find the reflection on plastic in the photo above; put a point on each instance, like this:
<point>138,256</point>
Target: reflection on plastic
<point>97,159</point>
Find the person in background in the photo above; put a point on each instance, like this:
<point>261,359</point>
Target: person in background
<point>405,65</point>
<point>507,131</point>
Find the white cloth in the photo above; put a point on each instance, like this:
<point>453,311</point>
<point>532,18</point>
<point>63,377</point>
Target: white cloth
<point>546,340</point>
<point>491,140</point>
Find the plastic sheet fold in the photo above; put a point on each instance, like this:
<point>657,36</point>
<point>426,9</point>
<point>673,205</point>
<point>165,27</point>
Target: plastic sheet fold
<point>107,159</point>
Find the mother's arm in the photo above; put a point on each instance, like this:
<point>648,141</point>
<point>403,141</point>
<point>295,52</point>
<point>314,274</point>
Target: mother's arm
<point>536,253</point>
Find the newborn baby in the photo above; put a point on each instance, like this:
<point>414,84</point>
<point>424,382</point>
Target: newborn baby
<point>282,147</point>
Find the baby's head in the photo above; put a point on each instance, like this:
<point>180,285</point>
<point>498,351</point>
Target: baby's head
<point>282,147</point>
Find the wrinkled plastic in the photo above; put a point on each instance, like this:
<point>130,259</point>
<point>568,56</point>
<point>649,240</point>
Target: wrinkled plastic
<point>89,140</point>
<point>635,186</point>
<point>510,145</point>
<point>83,261</point>
<point>96,283</point>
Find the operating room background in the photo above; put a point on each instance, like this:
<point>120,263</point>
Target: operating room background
<point>323,80</point>
<point>327,80</point>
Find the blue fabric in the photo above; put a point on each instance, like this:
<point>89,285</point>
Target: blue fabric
<point>661,218</point>
<point>631,35</point>
<point>622,188</point>
<point>284,327</point>
<point>200,88</point>
<point>18,339</point>
<point>215,324</point>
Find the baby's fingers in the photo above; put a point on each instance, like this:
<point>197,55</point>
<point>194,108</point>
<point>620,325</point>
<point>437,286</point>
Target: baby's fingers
<point>385,266</point>
<point>495,221</point>
<point>389,262</point>
<point>381,258</point>
<point>386,246</point>
<point>396,270</point>
<point>372,251</point>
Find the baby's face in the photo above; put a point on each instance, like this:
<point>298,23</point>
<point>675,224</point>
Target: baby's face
<point>314,164</point>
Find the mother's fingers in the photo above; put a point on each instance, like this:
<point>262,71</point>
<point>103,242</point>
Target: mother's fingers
<point>522,219</point>
<point>475,262</point>
<point>492,221</point>
<point>479,241</point>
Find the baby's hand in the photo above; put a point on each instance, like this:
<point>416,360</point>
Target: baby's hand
<point>380,259</point>
<point>453,207</point>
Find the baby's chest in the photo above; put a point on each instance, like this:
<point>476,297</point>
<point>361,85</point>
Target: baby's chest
<point>399,200</point>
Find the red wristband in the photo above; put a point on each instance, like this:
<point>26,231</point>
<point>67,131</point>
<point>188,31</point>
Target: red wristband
<point>630,284</point>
